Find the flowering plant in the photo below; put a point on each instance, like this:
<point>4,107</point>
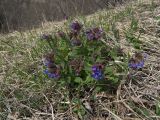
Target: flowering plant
<point>79,59</point>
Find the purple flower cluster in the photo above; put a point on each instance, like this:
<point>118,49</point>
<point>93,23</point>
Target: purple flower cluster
<point>137,61</point>
<point>46,37</point>
<point>53,71</point>
<point>75,27</point>
<point>94,33</point>
<point>97,72</point>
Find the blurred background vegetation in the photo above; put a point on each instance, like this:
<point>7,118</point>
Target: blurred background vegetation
<point>26,14</point>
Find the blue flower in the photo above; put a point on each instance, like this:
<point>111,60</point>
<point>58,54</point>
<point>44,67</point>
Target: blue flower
<point>54,75</point>
<point>137,60</point>
<point>136,65</point>
<point>97,72</point>
<point>98,75</point>
<point>52,70</point>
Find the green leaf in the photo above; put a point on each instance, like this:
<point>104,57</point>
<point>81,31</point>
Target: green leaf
<point>72,53</point>
<point>76,100</point>
<point>157,17</point>
<point>108,70</point>
<point>87,67</point>
<point>78,80</point>
<point>158,109</point>
<point>98,89</point>
<point>145,112</point>
<point>113,54</point>
<point>134,24</point>
<point>89,79</point>
<point>113,79</point>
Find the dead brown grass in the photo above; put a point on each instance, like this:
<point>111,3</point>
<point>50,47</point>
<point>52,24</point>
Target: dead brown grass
<point>137,95</point>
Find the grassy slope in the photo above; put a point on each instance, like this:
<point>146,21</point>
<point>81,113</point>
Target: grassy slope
<point>22,96</point>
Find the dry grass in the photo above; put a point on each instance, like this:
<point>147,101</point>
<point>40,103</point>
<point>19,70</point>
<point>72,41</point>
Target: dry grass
<point>137,96</point>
